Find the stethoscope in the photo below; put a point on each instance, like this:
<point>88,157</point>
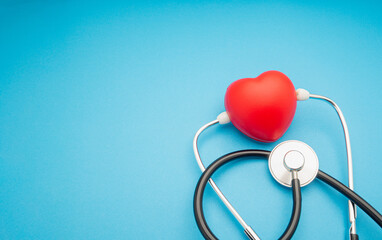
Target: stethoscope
<point>263,108</point>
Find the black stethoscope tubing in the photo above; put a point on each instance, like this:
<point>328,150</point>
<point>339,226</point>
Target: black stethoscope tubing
<point>288,233</point>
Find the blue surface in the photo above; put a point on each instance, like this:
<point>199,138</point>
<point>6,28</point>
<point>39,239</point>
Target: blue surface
<point>99,103</point>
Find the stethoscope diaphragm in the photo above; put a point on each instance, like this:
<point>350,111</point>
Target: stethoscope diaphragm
<point>293,154</point>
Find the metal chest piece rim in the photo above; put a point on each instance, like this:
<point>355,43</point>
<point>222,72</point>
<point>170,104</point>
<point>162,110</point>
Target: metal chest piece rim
<point>297,155</point>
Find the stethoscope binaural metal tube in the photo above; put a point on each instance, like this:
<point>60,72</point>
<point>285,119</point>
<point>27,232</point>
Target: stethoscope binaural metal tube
<point>352,207</point>
<point>247,229</point>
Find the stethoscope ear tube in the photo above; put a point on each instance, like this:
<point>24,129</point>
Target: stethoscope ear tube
<point>204,178</point>
<point>351,195</point>
<point>200,187</point>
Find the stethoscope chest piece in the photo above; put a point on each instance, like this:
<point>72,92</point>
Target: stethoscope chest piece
<point>293,156</point>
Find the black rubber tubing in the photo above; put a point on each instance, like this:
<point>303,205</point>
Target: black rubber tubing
<point>354,197</point>
<point>296,213</point>
<point>199,191</point>
<point>200,187</point>
<point>354,236</point>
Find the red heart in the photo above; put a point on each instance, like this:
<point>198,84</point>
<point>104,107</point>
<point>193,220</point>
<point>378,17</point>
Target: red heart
<point>263,107</point>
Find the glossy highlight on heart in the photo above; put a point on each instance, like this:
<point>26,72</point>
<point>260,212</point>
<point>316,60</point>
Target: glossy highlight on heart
<point>263,107</point>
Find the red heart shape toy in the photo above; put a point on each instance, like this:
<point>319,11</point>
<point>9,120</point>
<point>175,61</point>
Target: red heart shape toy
<point>263,107</point>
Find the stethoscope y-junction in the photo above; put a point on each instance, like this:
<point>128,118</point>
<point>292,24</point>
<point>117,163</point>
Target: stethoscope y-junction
<point>263,108</point>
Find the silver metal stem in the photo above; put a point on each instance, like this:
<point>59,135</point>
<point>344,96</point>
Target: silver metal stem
<point>352,207</point>
<point>247,229</point>
<point>251,234</point>
<point>294,174</point>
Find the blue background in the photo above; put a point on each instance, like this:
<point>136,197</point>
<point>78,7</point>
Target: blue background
<point>99,103</point>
